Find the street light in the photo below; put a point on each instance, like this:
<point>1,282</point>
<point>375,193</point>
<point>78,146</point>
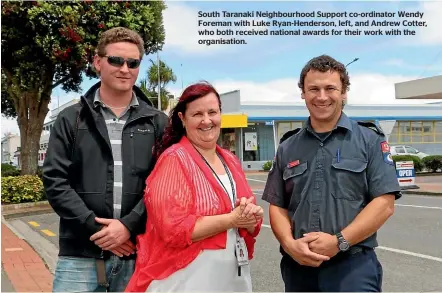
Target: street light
<point>356,59</point>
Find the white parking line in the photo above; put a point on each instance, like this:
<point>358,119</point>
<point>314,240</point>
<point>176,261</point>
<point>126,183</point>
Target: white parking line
<point>256,180</point>
<point>414,206</point>
<point>410,253</point>
<point>400,251</point>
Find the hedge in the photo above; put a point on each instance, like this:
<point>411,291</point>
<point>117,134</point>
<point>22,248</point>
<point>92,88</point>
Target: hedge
<point>9,170</point>
<point>267,165</point>
<point>418,165</point>
<point>433,162</point>
<point>20,189</point>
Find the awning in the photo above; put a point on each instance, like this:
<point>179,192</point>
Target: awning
<point>233,120</point>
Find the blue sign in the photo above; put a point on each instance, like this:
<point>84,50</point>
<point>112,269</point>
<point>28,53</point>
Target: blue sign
<point>404,173</point>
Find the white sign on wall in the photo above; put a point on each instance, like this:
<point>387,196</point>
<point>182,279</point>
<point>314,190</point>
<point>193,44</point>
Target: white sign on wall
<point>251,141</point>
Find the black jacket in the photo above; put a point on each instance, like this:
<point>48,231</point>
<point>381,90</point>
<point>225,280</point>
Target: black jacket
<point>78,171</point>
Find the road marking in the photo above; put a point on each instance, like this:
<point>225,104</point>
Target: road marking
<point>423,196</point>
<point>256,180</point>
<point>35,224</point>
<point>13,249</point>
<point>414,206</point>
<point>400,251</point>
<point>48,232</point>
<point>410,253</point>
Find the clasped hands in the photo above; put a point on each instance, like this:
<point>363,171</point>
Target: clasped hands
<point>246,214</point>
<point>312,249</point>
<point>114,236</point>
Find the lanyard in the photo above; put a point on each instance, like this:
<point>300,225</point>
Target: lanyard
<point>228,175</point>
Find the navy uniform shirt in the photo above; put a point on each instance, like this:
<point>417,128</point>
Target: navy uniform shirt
<point>325,180</point>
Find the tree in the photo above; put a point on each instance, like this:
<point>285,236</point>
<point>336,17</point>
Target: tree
<point>51,44</point>
<point>149,85</point>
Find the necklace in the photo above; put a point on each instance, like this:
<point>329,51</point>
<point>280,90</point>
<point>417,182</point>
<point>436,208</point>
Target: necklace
<point>124,107</point>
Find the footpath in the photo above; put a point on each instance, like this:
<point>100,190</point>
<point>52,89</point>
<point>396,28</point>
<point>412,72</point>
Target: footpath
<point>23,270</point>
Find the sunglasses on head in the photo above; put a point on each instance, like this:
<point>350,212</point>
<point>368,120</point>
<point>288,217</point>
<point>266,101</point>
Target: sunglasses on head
<point>119,61</point>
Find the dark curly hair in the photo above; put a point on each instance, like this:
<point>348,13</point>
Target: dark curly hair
<point>326,63</point>
<point>175,130</point>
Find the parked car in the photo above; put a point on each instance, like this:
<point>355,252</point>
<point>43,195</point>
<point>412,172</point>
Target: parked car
<point>406,150</point>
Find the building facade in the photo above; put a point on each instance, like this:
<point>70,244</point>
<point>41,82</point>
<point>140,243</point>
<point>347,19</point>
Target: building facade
<point>418,126</point>
<point>10,144</point>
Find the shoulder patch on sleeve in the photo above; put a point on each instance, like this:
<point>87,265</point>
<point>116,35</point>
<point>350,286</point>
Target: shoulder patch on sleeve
<point>288,134</point>
<point>372,126</point>
<point>385,149</point>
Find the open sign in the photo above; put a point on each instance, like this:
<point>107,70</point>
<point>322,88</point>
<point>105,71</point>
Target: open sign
<point>405,174</point>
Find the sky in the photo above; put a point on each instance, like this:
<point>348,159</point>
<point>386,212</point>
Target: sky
<point>267,68</point>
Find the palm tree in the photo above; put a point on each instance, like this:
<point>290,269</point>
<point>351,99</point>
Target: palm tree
<point>149,85</point>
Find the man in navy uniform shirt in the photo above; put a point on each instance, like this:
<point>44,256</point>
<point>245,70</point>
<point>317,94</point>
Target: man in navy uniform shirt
<point>332,186</point>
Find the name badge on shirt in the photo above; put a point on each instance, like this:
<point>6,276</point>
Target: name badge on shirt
<point>242,255</point>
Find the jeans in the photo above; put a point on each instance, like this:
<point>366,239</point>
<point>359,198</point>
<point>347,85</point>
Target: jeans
<point>76,274</point>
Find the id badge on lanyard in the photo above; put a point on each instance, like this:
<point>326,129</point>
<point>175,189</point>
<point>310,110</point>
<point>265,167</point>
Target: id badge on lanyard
<point>242,255</point>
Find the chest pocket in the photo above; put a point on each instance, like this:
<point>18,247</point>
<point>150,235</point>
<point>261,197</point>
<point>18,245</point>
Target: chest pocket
<point>348,178</point>
<point>295,181</point>
<point>142,139</point>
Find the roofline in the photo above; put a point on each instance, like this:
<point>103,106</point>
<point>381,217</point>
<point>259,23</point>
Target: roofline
<point>229,92</point>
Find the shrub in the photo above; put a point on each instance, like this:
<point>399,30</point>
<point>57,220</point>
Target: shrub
<point>418,165</point>
<point>9,170</point>
<point>267,165</point>
<point>40,173</point>
<point>21,189</point>
<point>433,162</point>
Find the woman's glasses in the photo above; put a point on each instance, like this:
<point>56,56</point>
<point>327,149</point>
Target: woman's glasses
<point>119,61</point>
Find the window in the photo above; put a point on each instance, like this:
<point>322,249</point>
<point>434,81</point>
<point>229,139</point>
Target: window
<point>283,127</point>
<point>400,150</point>
<point>416,132</point>
<point>411,150</point>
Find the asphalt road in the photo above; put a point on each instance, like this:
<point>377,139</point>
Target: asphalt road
<point>410,245</point>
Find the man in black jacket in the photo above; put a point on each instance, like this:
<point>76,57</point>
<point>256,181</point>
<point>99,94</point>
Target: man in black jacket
<point>99,156</point>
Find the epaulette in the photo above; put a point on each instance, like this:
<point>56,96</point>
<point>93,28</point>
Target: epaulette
<point>372,126</point>
<point>288,134</point>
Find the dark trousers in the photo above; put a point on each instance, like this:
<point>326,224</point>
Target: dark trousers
<point>358,272</point>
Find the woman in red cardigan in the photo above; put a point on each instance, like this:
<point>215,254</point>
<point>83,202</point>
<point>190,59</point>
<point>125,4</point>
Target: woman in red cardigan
<point>202,217</point>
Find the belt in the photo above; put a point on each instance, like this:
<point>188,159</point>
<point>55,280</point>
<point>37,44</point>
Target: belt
<point>355,250</point>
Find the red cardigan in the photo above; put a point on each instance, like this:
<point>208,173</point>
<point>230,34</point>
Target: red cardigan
<point>181,189</point>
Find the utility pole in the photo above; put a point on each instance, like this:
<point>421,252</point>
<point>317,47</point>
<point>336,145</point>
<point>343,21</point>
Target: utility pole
<point>159,80</point>
<point>182,84</point>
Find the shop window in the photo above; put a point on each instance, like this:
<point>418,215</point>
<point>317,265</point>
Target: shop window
<point>438,131</point>
<point>250,145</point>
<point>417,132</point>
<point>283,127</point>
<point>228,139</point>
<point>258,142</point>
